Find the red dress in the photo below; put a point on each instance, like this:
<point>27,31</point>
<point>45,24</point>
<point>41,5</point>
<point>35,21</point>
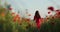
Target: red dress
<point>38,22</point>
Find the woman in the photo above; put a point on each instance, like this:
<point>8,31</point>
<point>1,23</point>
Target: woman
<point>37,18</point>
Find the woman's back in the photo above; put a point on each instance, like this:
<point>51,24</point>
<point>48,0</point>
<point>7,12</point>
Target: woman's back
<point>37,19</point>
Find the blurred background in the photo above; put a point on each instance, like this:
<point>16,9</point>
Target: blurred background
<point>19,16</point>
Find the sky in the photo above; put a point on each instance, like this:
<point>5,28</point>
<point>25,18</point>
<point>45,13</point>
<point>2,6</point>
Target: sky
<point>32,6</point>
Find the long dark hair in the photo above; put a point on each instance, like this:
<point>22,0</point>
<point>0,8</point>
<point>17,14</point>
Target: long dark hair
<point>37,15</point>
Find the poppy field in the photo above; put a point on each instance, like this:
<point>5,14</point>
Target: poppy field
<point>12,22</point>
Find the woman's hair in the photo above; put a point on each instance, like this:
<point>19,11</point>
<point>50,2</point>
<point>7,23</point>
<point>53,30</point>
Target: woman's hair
<point>37,14</point>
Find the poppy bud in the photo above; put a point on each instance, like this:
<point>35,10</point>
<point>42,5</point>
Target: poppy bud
<point>49,12</point>
<point>10,8</point>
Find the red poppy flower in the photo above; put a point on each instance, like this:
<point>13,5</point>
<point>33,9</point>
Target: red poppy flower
<point>18,21</point>
<point>57,10</point>
<point>51,8</point>
<point>2,14</point>
<point>53,23</point>
<point>59,13</point>
<point>13,14</point>
<point>18,18</point>
<point>29,15</point>
<point>47,18</point>
<point>28,19</point>
<point>10,8</point>
<point>53,17</point>
<point>17,15</point>
<point>14,19</point>
<point>49,12</point>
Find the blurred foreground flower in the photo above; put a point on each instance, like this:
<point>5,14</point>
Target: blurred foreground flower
<point>29,14</point>
<point>2,14</point>
<point>51,8</point>
<point>10,8</point>
<point>13,14</point>
<point>16,18</point>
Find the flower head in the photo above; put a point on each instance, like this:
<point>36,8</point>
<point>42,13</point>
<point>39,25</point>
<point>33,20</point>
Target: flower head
<point>29,15</point>
<point>10,8</point>
<point>3,14</point>
<point>51,8</point>
<point>13,14</point>
<point>16,18</point>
